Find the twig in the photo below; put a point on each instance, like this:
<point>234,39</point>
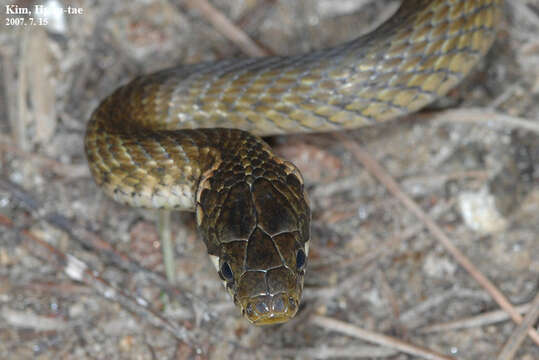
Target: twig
<point>481,116</point>
<point>163,226</point>
<point>29,320</point>
<point>383,340</point>
<point>90,240</point>
<point>488,318</point>
<point>66,170</point>
<point>386,247</point>
<point>383,176</point>
<point>77,270</point>
<point>412,315</point>
<point>389,294</point>
<point>21,121</point>
<point>513,344</point>
<point>331,352</point>
<point>226,27</point>
<point>359,266</point>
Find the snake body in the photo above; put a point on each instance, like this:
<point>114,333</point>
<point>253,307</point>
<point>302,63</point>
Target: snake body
<point>172,139</point>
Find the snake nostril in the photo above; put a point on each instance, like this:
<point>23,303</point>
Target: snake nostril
<point>278,304</point>
<point>261,307</point>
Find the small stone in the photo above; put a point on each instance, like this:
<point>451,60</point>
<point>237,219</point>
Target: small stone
<point>480,213</point>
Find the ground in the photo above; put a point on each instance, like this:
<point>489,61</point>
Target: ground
<point>82,277</point>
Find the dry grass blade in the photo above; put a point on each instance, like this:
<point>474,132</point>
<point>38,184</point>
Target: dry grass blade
<point>77,270</point>
<point>70,171</point>
<point>513,344</point>
<point>90,240</point>
<point>474,321</point>
<point>20,121</point>
<point>489,117</point>
<point>226,27</point>
<point>383,176</point>
<point>331,352</point>
<point>383,340</point>
<point>41,90</point>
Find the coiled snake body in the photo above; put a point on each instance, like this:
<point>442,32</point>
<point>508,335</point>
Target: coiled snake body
<point>171,139</point>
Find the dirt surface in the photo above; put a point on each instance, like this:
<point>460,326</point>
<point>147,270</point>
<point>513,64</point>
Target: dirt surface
<point>81,277</point>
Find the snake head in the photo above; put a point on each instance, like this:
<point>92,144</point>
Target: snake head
<point>265,275</point>
<point>256,225</point>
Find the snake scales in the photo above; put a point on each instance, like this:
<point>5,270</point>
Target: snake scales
<point>171,139</point>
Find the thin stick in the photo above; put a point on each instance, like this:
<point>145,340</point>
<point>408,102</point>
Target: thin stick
<point>226,27</point>
<point>383,176</point>
<point>90,240</point>
<point>513,344</point>
<point>488,318</point>
<point>163,228</point>
<point>67,170</point>
<point>383,340</point>
<point>78,270</point>
<point>324,351</point>
<point>488,117</point>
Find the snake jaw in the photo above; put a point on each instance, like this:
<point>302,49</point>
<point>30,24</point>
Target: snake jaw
<point>269,297</point>
<point>266,309</point>
<point>269,309</point>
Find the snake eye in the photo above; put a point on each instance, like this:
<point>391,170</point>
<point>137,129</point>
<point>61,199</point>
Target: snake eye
<point>226,272</point>
<point>300,259</point>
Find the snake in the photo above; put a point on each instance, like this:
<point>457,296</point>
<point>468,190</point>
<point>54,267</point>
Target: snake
<point>189,137</point>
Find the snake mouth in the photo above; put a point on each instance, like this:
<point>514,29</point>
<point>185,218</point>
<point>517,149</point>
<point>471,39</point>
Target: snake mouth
<point>269,309</point>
